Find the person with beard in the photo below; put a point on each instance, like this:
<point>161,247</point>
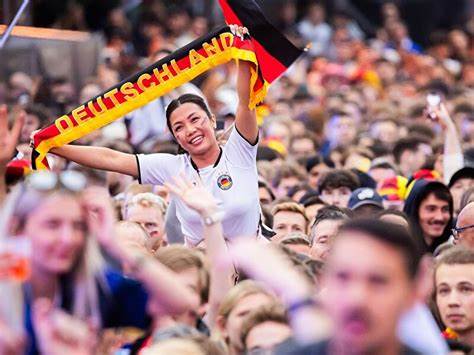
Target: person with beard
<point>429,206</point>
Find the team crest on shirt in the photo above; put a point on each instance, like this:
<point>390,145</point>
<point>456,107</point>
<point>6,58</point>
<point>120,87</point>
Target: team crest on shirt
<point>224,182</point>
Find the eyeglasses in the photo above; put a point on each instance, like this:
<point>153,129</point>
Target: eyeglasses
<point>47,181</point>
<point>457,231</point>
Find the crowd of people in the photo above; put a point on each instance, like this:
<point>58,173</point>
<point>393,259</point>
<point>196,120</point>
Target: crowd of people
<point>336,218</point>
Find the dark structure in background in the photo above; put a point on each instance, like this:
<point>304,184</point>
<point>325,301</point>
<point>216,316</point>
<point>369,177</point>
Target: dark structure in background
<point>421,16</point>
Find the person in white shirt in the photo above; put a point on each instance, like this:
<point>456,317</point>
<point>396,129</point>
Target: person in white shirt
<point>314,29</point>
<point>228,172</point>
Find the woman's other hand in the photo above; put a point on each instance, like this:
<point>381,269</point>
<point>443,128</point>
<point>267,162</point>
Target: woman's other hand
<point>194,195</point>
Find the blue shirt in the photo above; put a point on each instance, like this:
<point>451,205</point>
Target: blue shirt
<point>122,304</point>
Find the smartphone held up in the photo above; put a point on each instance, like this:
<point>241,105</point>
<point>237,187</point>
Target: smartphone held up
<point>433,102</point>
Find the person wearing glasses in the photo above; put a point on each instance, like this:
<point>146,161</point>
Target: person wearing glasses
<point>463,233</point>
<point>148,210</point>
<point>65,223</point>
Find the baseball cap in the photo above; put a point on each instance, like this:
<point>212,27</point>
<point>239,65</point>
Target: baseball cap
<point>463,173</point>
<point>365,196</point>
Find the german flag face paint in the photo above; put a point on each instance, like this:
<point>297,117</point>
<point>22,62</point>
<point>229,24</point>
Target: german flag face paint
<point>269,51</point>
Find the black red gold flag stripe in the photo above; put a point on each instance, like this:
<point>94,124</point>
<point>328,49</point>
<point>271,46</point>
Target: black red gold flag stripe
<point>275,53</point>
<point>179,67</point>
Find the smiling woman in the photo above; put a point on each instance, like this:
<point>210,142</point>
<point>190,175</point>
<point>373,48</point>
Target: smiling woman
<point>67,224</point>
<point>228,172</point>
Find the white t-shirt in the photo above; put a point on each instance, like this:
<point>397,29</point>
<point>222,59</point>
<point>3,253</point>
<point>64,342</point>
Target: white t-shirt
<point>233,181</point>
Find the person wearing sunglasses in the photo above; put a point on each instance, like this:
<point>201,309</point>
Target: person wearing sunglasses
<point>463,233</point>
<point>65,224</point>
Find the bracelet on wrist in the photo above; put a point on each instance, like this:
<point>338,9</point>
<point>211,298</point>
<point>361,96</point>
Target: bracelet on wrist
<point>213,218</point>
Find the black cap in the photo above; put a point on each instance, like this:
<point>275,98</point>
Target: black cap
<point>463,173</point>
<point>365,196</point>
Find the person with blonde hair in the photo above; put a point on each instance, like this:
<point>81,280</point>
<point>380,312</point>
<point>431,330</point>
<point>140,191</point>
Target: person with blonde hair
<point>148,210</point>
<point>265,328</point>
<point>242,299</point>
<point>454,292</point>
<point>289,217</point>
<point>190,345</point>
<point>65,223</point>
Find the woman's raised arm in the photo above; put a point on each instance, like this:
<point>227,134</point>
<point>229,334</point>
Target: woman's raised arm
<point>99,158</point>
<point>246,119</point>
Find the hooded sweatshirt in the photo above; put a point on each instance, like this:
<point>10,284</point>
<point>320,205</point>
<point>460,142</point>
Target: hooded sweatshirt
<point>420,191</point>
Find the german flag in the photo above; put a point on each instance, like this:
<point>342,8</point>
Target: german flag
<point>275,53</point>
<point>269,51</point>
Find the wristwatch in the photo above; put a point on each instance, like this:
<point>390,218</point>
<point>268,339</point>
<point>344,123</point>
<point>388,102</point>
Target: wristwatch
<point>214,218</point>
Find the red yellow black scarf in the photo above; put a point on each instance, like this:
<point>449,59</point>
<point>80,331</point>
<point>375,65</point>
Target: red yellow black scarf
<point>269,51</point>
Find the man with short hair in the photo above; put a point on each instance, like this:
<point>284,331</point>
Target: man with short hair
<point>382,171</point>
<point>148,210</point>
<point>287,176</point>
<point>464,230</point>
<point>297,242</point>
<point>410,154</point>
<point>303,146</point>
<point>385,130</point>
<point>316,166</point>
<point>312,205</point>
<point>324,229</point>
<point>265,328</point>
<point>462,180</point>
<point>370,281</point>
<point>288,217</point>
<point>190,267</point>
<point>341,131</point>
<point>335,187</point>
<point>36,117</point>
<point>454,292</point>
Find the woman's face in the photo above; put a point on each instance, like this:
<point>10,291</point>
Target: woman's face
<point>57,229</point>
<point>238,314</point>
<point>193,129</point>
